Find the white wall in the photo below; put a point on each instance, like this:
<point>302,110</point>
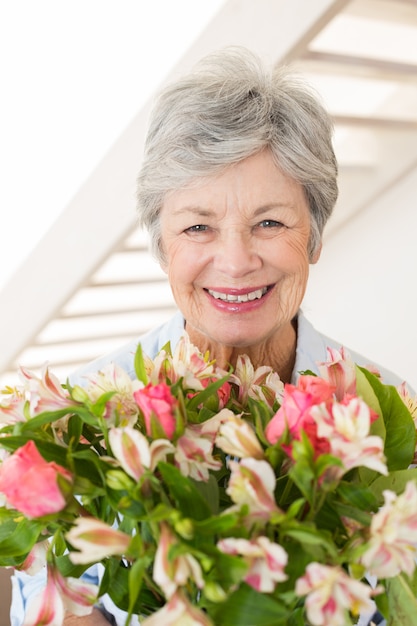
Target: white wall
<point>363,290</point>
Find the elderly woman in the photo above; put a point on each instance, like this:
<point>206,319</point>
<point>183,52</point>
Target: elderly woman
<point>237,183</point>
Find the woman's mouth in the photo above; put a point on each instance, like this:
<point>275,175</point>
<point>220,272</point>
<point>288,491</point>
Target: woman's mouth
<point>237,298</point>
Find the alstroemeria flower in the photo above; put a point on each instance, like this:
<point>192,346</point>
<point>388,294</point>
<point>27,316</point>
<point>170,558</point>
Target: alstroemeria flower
<point>157,403</point>
<point>194,367</point>
<point>248,379</point>
<point>95,540</point>
<point>393,543</point>
<point>332,594</point>
<point>295,413</point>
<point>41,394</point>
<point>60,594</point>
<point>194,454</point>
<point>346,426</point>
<point>237,438</point>
<point>121,409</point>
<point>46,608</point>
<point>410,402</point>
<point>340,371</point>
<point>30,483</point>
<point>78,596</point>
<point>178,611</point>
<point>36,559</point>
<point>270,390</point>
<point>266,561</point>
<point>171,573</point>
<point>134,453</point>
<point>186,362</point>
<point>252,483</point>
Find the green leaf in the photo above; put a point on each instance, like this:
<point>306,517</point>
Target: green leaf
<point>365,390</point>
<point>47,417</point>
<point>229,570</point>
<point>302,472</point>
<point>185,493</point>
<point>217,525</point>
<point>140,368</point>
<point>115,582</point>
<point>98,408</point>
<point>18,535</point>
<point>261,415</point>
<point>75,427</point>
<point>396,482</point>
<point>400,439</point>
<point>357,495</point>
<point>210,492</point>
<point>136,574</point>
<point>206,393</point>
<point>315,542</point>
<point>297,618</point>
<point>247,607</point>
<point>402,602</point>
<point>48,449</point>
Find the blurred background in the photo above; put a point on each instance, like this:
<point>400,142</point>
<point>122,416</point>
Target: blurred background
<point>76,279</point>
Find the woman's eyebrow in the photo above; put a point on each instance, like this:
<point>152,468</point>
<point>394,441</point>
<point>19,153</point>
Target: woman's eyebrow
<point>272,206</point>
<point>194,210</point>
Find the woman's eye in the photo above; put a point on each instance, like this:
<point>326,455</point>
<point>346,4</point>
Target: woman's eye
<point>270,224</point>
<point>197,228</point>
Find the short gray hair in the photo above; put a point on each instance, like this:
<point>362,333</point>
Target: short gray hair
<point>227,109</point>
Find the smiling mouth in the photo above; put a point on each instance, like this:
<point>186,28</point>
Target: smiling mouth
<point>243,297</point>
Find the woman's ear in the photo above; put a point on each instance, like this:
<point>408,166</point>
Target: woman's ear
<point>316,254</point>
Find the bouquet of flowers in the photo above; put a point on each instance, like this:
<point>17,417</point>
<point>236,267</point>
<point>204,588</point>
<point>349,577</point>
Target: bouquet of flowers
<point>212,497</point>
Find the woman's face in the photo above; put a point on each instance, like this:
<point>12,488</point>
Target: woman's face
<point>236,252</point>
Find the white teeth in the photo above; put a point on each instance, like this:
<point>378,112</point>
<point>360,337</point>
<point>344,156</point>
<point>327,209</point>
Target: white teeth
<point>226,297</point>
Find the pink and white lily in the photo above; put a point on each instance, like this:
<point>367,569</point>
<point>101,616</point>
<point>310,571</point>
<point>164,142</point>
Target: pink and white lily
<point>39,394</point>
<point>393,543</point>
<point>194,454</point>
<point>266,561</point>
<point>95,540</point>
<point>332,595</point>
<point>340,371</point>
<point>261,383</point>
<point>134,453</point>
<point>252,483</point>
<point>36,559</point>
<point>237,438</point>
<point>60,594</point>
<point>346,425</point>
<point>178,611</point>
<point>121,409</point>
<point>173,572</point>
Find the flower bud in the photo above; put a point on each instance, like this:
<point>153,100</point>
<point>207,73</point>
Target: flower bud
<point>185,528</point>
<point>118,480</point>
<point>79,394</point>
<point>214,592</point>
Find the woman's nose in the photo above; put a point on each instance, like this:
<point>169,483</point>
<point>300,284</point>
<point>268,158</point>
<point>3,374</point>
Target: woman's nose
<point>236,255</point>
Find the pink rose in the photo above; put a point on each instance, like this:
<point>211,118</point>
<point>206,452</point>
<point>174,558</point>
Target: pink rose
<point>30,483</point>
<point>157,403</point>
<point>295,415</point>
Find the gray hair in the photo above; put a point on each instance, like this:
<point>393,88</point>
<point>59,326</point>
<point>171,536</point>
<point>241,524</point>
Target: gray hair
<point>227,109</point>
